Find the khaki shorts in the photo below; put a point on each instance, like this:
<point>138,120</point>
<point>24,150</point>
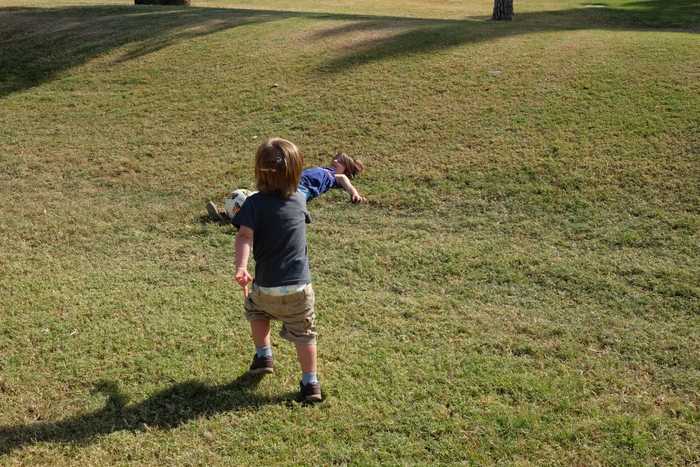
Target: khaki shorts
<point>296,311</point>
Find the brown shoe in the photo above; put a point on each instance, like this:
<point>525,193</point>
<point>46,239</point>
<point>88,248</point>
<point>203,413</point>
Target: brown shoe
<point>310,392</point>
<point>261,365</point>
<point>214,212</point>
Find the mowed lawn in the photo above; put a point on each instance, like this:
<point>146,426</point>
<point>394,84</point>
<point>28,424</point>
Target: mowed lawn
<point>522,288</point>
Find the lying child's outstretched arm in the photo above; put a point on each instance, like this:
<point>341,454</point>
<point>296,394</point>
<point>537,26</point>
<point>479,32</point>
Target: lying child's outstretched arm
<point>344,182</point>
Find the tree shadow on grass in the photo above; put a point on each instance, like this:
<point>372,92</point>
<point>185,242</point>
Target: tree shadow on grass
<point>167,409</point>
<point>391,37</point>
<point>39,43</point>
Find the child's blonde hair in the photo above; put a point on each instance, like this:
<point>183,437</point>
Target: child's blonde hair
<point>352,166</point>
<point>278,165</point>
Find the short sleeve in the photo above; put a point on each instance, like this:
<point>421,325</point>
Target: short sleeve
<point>334,181</point>
<point>246,215</point>
<point>301,199</point>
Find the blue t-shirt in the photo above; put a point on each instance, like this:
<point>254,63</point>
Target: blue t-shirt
<point>318,180</point>
<point>279,238</point>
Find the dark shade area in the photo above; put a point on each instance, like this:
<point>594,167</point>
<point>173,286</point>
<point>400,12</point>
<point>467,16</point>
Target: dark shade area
<point>165,410</point>
<point>163,2</point>
<point>40,43</point>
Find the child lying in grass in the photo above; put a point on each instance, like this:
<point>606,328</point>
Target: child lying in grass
<point>317,180</point>
<point>314,182</point>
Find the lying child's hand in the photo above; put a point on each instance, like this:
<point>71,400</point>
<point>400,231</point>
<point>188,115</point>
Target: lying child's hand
<point>358,199</point>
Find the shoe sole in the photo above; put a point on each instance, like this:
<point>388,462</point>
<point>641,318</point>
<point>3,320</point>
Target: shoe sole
<point>213,212</point>
<point>259,371</point>
<point>313,398</point>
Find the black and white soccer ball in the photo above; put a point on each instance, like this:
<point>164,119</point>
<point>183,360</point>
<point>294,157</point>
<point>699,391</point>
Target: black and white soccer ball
<point>234,201</point>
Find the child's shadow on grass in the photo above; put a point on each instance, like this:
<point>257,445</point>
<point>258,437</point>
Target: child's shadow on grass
<point>167,409</point>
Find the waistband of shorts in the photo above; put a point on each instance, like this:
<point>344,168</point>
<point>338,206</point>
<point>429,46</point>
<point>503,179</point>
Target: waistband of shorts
<point>281,291</point>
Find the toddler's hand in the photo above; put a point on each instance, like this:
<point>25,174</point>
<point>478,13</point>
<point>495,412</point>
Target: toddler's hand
<point>243,278</point>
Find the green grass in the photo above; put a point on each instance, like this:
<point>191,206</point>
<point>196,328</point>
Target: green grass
<point>521,289</point>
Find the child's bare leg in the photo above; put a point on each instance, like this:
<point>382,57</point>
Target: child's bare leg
<point>260,329</point>
<point>310,388</point>
<point>306,353</point>
<point>262,361</point>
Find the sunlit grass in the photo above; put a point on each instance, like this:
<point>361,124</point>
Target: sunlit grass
<point>521,288</point>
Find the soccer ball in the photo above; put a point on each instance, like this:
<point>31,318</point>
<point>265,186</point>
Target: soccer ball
<point>234,201</point>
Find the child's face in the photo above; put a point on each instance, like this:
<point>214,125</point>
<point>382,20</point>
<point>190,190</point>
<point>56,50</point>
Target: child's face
<point>339,166</point>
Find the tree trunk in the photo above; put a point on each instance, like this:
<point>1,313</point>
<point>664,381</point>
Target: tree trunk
<point>502,10</point>
<point>162,2</point>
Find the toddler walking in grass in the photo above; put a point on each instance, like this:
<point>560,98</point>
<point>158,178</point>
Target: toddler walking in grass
<point>272,222</point>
